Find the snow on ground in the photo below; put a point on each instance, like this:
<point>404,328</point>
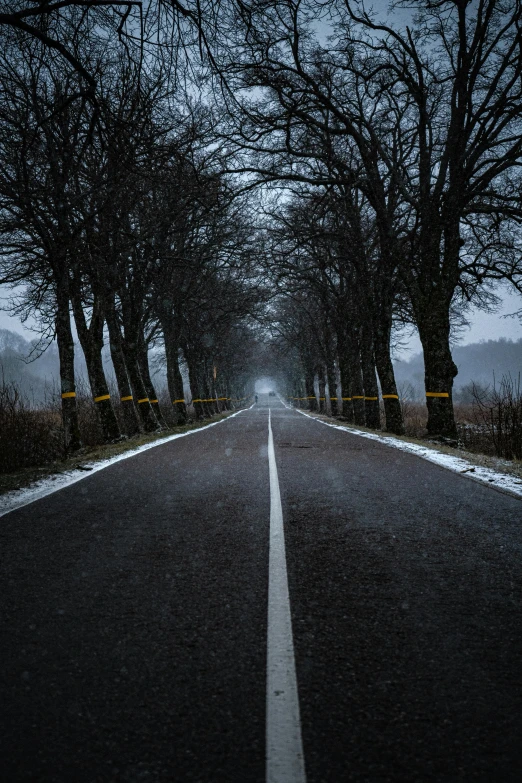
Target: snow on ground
<point>22,497</point>
<point>502,481</point>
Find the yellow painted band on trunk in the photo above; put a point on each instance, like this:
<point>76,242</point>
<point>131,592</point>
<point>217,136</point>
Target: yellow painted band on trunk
<point>103,397</point>
<point>67,395</point>
<point>197,400</point>
<point>126,399</point>
<point>390,396</point>
<point>371,398</point>
<point>151,401</point>
<point>437,394</point>
<point>174,402</point>
<point>222,399</point>
<point>346,399</point>
<point>333,398</point>
<point>357,397</point>
<point>145,399</point>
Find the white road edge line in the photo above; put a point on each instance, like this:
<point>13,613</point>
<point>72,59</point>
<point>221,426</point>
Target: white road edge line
<point>284,744</point>
<point>11,501</point>
<point>506,483</point>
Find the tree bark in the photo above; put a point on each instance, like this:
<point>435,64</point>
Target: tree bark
<point>195,384</point>
<point>311,402</point>
<point>357,389</point>
<point>351,377</point>
<point>335,404</point>
<point>91,340</point>
<point>131,420</point>
<point>143,360</point>
<point>392,407</point>
<point>322,391</point>
<point>145,411</point>
<point>71,427</point>
<point>439,369</point>
<point>371,391</point>
<point>346,380</point>
<point>174,379</point>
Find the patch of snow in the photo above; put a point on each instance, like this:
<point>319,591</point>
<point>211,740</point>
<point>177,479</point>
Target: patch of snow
<point>492,478</point>
<point>22,497</point>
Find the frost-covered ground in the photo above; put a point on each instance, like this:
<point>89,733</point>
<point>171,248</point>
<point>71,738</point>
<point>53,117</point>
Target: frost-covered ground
<point>22,497</point>
<point>493,478</point>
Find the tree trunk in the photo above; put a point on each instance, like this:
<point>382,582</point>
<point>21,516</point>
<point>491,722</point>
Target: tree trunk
<point>311,399</point>
<point>132,319</point>
<point>392,408</point>
<point>195,384</point>
<point>431,297</point>
<point>131,420</point>
<point>100,392</point>
<point>356,379</point>
<point>145,411</point>
<point>335,404</point>
<point>439,369</point>
<point>371,391</point>
<point>174,379</point>
<point>143,360</point>
<point>209,403</point>
<point>359,409</point>
<point>346,381</point>
<point>71,428</point>
<point>321,385</point>
<point>91,340</point>
<point>327,393</point>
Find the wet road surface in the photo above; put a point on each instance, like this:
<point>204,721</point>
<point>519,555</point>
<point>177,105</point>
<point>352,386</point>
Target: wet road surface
<point>134,615</point>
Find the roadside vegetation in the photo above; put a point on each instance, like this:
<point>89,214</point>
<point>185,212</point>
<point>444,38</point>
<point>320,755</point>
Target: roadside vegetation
<point>489,423</point>
<point>33,439</point>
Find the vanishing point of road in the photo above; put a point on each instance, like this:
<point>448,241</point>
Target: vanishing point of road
<point>268,599</point>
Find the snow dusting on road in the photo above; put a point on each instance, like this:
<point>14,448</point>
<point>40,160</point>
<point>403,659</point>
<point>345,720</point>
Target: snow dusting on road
<point>502,481</point>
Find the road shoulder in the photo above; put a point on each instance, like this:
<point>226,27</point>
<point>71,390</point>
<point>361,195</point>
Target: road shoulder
<point>20,489</point>
<point>504,477</point>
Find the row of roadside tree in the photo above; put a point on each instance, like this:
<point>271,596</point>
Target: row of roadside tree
<point>388,158</point>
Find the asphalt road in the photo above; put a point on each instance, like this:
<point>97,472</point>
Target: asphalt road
<point>134,615</point>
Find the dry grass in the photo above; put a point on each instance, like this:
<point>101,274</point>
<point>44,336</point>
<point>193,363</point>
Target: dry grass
<point>32,443</point>
<point>28,436</point>
<point>24,477</point>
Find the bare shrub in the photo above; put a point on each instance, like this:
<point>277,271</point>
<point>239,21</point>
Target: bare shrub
<point>88,419</point>
<point>414,413</point>
<point>29,437</point>
<point>499,411</point>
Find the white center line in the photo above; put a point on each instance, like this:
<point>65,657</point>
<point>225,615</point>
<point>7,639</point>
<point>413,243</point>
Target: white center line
<point>284,744</point>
